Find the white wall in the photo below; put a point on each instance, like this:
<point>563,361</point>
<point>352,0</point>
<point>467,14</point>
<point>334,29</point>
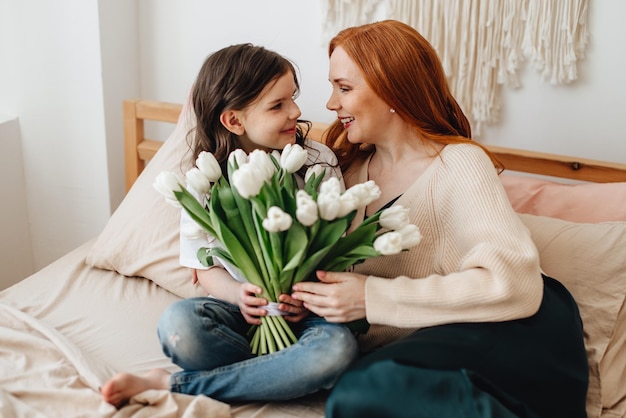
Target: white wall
<point>57,64</point>
<point>187,31</point>
<point>66,65</point>
<point>119,54</point>
<point>584,118</point>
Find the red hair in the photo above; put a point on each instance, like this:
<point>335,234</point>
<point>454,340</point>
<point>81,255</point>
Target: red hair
<point>403,69</point>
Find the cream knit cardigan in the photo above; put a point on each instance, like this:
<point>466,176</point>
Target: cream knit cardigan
<point>476,261</point>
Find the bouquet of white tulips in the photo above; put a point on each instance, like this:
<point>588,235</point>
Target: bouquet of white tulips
<point>278,234</point>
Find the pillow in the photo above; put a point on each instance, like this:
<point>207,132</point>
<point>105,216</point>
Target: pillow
<point>142,236</point>
<point>589,260</point>
<point>586,202</point>
<point>613,371</point>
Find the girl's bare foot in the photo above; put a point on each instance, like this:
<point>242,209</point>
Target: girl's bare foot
<point>124,386</point>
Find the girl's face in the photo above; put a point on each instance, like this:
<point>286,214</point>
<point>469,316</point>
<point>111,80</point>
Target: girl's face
<point>363,114</point>
<point>269,122</point>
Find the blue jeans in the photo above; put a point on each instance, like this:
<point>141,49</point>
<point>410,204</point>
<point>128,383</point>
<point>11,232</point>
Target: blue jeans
<point>208,338</point>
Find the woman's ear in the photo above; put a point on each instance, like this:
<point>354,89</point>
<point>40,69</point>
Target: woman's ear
<point>230,120</point>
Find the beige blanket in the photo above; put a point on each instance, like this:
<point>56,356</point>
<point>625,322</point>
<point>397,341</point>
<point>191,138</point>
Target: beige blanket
<point>42,374</point>
<point>69,327</point>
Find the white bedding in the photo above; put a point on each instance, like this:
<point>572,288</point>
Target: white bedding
<point>68,328</point>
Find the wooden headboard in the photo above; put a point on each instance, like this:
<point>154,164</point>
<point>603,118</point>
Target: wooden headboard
<point>138,149</point>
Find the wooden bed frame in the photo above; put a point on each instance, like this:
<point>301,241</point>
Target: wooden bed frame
<point>138,149</point>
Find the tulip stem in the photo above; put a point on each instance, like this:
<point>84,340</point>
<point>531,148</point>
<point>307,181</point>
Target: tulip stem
<point>272,335</point>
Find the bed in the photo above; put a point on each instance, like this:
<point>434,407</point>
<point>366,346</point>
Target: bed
<point>69,327</point>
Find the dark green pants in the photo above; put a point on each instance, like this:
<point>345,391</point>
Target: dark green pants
<point>533,367</point>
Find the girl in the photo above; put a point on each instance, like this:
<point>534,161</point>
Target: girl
<point>243,98</point>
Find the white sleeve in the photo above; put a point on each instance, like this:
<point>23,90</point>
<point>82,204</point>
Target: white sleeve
<point>189,246</point>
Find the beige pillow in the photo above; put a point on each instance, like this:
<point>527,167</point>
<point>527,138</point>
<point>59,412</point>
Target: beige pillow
<point>142,236</point>
<point>589,260</point>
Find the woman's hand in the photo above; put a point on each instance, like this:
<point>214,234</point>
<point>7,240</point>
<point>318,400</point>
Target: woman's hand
<point>338,297</point>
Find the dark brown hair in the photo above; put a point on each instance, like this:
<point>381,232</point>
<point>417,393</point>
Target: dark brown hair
<point>230,79</point>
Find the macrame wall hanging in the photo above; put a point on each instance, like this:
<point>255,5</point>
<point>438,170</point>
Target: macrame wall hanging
<point>482,43</point>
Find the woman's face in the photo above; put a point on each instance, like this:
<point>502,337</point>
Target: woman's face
<point>363,114</point>
<point>270,121</point>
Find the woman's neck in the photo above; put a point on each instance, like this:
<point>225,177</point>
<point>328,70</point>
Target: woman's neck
<point>395,169</point>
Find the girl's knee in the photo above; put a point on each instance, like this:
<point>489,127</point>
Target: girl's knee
<point>334,351</point>
<point>177,321</point>
<point>343,344</point>
<point>335,342</point>
<point>175,316</point>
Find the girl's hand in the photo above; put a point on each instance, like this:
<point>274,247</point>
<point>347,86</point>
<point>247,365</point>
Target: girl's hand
<point>294,307</point>
<point>338,297</point>
<point>249,303</point>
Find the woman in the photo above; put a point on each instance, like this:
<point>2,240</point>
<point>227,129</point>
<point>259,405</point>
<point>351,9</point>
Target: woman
<point>463,324</point>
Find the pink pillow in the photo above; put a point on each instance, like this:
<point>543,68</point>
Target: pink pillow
<point>586,203</point>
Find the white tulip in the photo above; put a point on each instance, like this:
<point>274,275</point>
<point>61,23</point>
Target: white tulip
<point>306,208</point>
<point>198,181</point>
<point>347,203</point>
<point>209,166</point>
<point>328,205</point>
<point>247,181</point>
<point>366,192</point>
<point>238,156</point>
<point>262,164</point>
<point>293,158</point>
<point>330,186</point>
<point>389,243</point>
<point>276,154</point>
<point>316,169</point>
<point>167,183</point>
<point>396,217</point>
<point>277,220</point>
<point>411,236</point>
